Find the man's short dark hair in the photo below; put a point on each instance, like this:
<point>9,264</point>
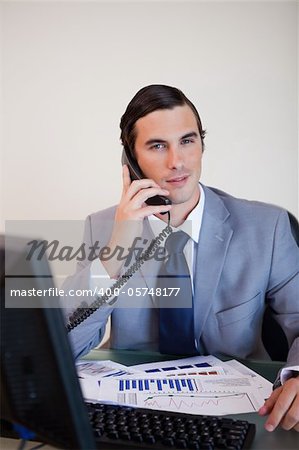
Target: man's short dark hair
<point>150,99</point>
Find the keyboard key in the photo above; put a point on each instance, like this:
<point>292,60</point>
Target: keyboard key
<point>169,442</point>
<point>137,437</point>
<point>149,439</point>
<point>207,447</point>
<point>181,443</point>
<point>113,435</point>
<point>125,435</point>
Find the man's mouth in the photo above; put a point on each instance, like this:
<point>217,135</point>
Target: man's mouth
<point>178,181</point>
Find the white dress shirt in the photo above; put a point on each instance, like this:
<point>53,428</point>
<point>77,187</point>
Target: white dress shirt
<point>191,226</point>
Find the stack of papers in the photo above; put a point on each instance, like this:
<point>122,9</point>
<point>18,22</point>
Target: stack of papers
<point>197,385</point>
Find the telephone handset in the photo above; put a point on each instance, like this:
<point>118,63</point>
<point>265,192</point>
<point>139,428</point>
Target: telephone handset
<point>136,174</point>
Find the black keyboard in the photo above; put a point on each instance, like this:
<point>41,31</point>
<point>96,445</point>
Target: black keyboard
<point>121,427</point>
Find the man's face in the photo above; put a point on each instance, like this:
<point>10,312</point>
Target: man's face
<point>168,149</point>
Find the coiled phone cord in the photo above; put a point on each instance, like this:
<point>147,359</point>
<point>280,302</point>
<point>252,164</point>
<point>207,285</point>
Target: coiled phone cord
<point>84,311</point>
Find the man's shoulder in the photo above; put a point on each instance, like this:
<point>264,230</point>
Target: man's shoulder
<point>241,211</point>
<point>103,214</point>
<point>241,205</point>
<point>99,224</point>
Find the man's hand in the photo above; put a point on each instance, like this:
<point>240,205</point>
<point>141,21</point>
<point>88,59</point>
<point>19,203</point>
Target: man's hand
<point>283,407</point>
<point>130,214</point>
<point>134,194</point>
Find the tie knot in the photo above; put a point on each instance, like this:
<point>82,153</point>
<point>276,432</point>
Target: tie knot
<point>176,242</point>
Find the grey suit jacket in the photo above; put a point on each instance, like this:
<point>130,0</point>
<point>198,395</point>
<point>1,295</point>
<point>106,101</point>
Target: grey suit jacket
<point>246,257</point>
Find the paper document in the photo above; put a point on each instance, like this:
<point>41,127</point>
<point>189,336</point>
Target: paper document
<point>178,373</point>
<point>98,369</point>
<point>194,362</point>
<point>197,385</point>
<point>264,386</point>
<point>198,395</point>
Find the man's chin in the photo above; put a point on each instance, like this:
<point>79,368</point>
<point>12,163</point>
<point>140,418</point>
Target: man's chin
<point>190,198</point>
<point>180,200</point>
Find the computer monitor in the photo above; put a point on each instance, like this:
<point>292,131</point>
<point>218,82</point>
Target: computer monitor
<point>39,385</point>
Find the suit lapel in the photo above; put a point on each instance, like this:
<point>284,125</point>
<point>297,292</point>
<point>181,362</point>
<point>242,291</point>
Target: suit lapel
<point>214,239</point>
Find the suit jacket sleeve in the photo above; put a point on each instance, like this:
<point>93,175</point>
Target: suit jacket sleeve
<point>89,333</point>
<point>283,286</point>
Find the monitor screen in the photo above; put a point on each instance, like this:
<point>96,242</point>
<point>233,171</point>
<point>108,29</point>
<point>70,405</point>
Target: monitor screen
<point>39,385</point>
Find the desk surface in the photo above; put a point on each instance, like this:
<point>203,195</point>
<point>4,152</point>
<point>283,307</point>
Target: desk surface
<point>279,439</point>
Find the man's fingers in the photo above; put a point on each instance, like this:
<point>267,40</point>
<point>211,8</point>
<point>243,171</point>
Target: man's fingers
<point>145,194</point>
<point>138,187</point>
<point>291,419</point>
<point>270,402</point>
<point>286,399</point>
<point>279,410</point>
<point>156,209</point>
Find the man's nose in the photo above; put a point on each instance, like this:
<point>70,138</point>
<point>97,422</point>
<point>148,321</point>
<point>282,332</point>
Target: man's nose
<point>174,158</point>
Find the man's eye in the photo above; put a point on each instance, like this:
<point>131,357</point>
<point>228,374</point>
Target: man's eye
<point>158,146</point>
<point>186,141</point>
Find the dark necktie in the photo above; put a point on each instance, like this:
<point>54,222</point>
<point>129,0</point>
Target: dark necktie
<point>176,311</point>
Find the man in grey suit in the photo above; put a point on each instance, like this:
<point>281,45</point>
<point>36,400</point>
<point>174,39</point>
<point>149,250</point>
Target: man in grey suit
<point>241,253</point>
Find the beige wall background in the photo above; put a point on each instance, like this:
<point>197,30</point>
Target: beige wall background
<point>68,70</point>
